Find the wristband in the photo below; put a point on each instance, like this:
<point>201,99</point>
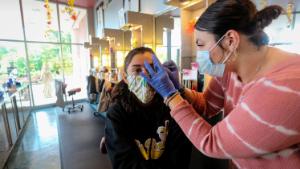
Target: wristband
<point>167,100</point>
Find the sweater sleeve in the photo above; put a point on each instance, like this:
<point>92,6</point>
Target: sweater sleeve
<point>266,120</point>
<point>122,150</point>
<point>210,102</point>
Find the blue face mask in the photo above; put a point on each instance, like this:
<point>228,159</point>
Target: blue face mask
<point>206,66</point>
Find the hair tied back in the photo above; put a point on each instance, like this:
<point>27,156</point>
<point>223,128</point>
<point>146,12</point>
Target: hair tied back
<point>264,17</point>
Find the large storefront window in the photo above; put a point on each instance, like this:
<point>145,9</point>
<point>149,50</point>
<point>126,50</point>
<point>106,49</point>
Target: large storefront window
<point>176,41</point>
<point>45,66</point>
<point>283,35</point>
<point>73,31</point>
<point>76,66</point>
<point>35,18</point>
<point>10,11</point>
<point>13,62</point>
<point>55,48</point>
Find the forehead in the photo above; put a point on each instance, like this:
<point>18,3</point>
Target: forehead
<point>204,36</point>
<point>140,58</point>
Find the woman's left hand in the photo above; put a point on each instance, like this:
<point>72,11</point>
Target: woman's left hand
<point>173,73</point>
<point>159,79</point>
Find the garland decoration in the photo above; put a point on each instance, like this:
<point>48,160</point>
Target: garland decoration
<point>49,17</point>
<point>70,10</point>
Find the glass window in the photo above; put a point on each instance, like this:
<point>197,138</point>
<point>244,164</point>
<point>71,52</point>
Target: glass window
<point>76,66</point>
<point>120,58</point>
<point>105,60</point>
<point>35,18</point>
<point>162,53</point>
<point>175,54</point>
<point>10,17</point>
<point>74,30</point>
<point>284,36</point>
<point>45,65</point>
<point>279,31</point>
<point>13,62</point>
<point>176,41</point>
<point>176,32</point>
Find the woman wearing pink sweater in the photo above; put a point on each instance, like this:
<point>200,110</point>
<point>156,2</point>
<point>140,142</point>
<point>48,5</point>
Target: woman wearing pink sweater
<point>256,86</point>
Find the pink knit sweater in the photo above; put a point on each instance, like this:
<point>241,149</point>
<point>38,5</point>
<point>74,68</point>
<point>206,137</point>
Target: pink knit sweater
<point>261,128</point>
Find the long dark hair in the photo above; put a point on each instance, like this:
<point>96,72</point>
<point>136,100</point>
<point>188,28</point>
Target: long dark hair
<point>239,15</point>
<point>120,92</point>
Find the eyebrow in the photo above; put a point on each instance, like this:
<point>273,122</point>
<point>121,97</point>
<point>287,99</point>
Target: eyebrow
<point>139,65</point>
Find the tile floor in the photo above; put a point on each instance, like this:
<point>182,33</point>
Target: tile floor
<point>39,148</point>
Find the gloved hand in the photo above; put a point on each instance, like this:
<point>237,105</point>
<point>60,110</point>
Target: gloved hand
<point>172,70</point>
<point>159,79</point>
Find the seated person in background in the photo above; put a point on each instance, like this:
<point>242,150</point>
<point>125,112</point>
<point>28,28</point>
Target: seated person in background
<point>140,133</point>
<point>91,86</point>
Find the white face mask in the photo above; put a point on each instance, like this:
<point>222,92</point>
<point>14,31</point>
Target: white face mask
<point>207,66</point>
<point>141,89</point>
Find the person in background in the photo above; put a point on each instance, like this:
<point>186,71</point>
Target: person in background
<point>257,87</point>
<point>47,79</point>
<point>140,133</point>
<point>91,86</point>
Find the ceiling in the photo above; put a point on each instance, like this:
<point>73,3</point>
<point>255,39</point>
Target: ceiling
<point>80,3</point>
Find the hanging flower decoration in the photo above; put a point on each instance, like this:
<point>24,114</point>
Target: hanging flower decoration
<point>49,17</point>
<point>49,12</point>
<point>70,10</point>
<point>289,12</point>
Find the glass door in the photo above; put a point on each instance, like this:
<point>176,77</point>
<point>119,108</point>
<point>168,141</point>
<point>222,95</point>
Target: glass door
<point>76,66</point>
<point>45,65</point>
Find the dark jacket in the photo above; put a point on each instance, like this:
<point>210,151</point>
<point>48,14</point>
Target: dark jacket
<point>129,123</point>
<point>91,84</point>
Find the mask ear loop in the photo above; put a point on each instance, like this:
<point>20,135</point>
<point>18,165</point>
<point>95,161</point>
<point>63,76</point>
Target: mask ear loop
<point>227,58</point>
<point>215,45</point>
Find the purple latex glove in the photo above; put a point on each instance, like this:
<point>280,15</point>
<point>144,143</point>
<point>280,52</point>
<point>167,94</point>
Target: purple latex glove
<point>172,70</point>
<point>158,78</point>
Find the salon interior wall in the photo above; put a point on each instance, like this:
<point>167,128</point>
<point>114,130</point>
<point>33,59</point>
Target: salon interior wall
<point>111,19</point>
<point>91,28</point>
<point>188,38</point>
